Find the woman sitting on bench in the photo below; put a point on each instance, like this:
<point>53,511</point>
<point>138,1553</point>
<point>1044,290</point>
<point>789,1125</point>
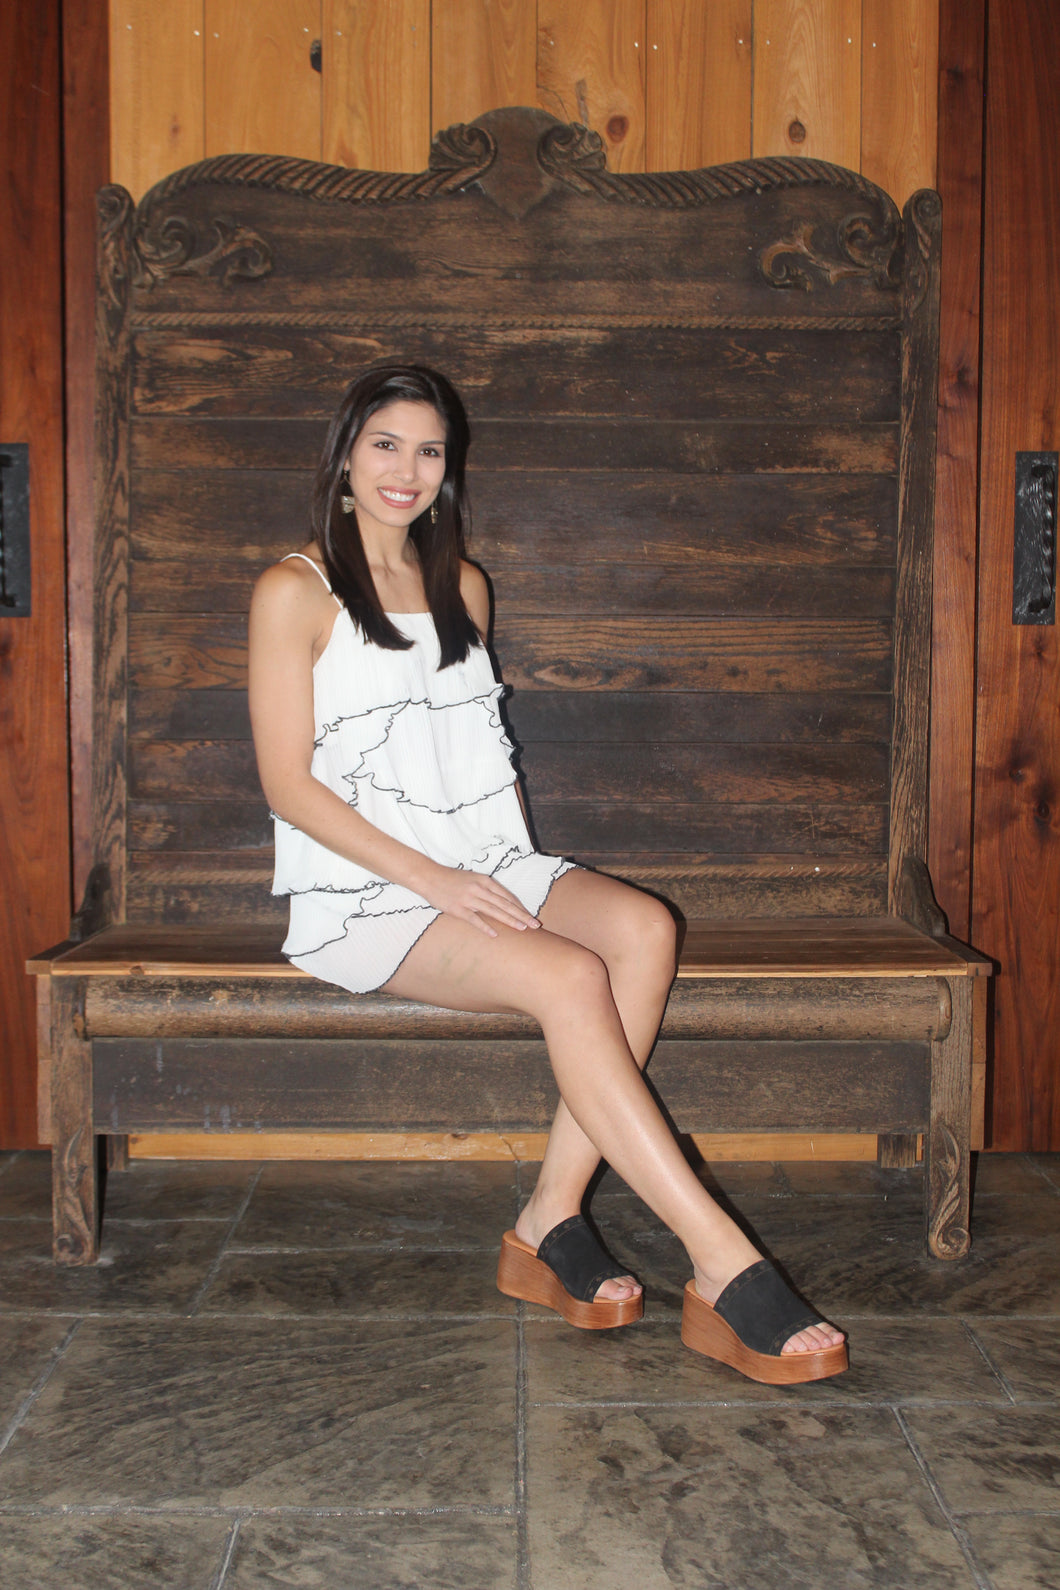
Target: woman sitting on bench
<point>401,841</point>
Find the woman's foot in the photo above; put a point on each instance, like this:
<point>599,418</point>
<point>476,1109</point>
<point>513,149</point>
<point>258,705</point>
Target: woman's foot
<point>709,1285</point>
<point>534,1225</point>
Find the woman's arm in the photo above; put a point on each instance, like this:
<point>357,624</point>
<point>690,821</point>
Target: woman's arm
<point>289,615</point>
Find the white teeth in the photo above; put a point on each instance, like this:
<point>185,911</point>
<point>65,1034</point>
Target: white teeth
<point>398,496</point>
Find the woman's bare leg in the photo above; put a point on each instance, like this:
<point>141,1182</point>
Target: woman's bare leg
<point>566,988</point>
<point>634,936</point>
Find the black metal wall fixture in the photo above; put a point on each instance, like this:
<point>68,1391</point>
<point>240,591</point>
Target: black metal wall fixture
<point>14,530</point>
<point>1034,546</point>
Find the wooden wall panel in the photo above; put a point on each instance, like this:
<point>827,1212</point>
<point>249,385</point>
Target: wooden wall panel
<point>377,83</point>
<point>483,54</point>
<point>261,93</point>
<point>157,55</point>
<point>34,811</point>
<point>698,84</point>
<point>807,79</point>
<point>1016,884</point>
<point>591,68</point>
<point>899,94</point>
<point>962,63</point>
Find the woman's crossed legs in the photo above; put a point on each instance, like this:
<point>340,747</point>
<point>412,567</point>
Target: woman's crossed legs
<point>596,976</point>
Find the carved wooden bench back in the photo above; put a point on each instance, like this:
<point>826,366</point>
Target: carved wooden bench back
<point>701,478</point>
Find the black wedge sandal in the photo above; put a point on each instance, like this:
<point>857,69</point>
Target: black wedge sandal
<point>750,1322</point>
<point>565,1274</point>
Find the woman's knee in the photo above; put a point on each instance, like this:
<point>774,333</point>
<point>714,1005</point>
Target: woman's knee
<point>578,979</point>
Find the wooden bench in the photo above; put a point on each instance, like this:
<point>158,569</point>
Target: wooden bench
<point>702,407</point>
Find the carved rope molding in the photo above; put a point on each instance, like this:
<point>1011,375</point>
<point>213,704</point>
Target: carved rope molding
<point>114,265</point>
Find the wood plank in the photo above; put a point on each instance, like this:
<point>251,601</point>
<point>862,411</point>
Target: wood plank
<point>899,94</point>
<point>720,374</point>
<point>483,54</point>
<point>698,84</point>
<point>229,826</point>
<point>575,829</point>
<point>740,447</point>
<point>261,92</point>
<point>807,79</point>
<point>376,83</point>
<point>157,89</point>
<point>962,59</point>
<point>34,811</point>
<point>591,69</point>
<point>221,524</point>
<point>1016,880</point>
<point>717,1147</point>
<point>86,168</point>
<point>232,1084</point>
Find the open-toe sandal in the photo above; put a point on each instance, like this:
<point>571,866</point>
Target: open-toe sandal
<point>750,1322</point>
<point>565,1274</point>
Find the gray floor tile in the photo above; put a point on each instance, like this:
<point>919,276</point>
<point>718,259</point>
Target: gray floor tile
<point>395,1553</point>
<point>266,1414</point>
<point>124,1551</point>
<point>854,1179</point>
<point>26,1186</point>
<point>1049,1165</point>
<point>26,1346</point>
<point>1009,1173</point>
<point>177,1190</point>
<point>1027,1352</point>
<point>855,1255</point>
<point>733,1499</point>
<point>363,1283</point>
<point>1019,1553</point>
<point>155,1266</point>
<point>909,1362</point>
<point>992,1461</point>
<point>407,1205</point>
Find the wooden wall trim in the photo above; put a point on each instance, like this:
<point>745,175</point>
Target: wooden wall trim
<point>962,45</point>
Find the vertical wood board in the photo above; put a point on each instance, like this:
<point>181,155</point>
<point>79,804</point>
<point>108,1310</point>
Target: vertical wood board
<point>899,94</point>
<point>157,54</point>
<point>261,92</point>
<point>591,69</point>
<point>377,83</point>
<point>807,79</point>
<point>697,83</point>
<point>483,54</point>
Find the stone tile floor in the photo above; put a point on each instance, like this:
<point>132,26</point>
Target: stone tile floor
<point>302,1375</point>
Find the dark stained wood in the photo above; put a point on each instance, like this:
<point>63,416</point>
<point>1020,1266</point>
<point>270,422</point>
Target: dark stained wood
<point>962,64</point>
<point>232,1084</point>
<point>721,375</point>
<point>698,491</point>
<point>75,1197</point>
<point>34,804</point>
<point>1016,882</point>
<point>948,1166</point>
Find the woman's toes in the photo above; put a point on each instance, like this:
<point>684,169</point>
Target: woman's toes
<point>814,1339</point>
<point>618,1290</point>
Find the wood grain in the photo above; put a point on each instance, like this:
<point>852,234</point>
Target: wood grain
<point>807,79</point>
<point>261,93</point>
<point>1017,827</point>
<point>591,69</point>
<point>376,83</point>
<point>698,83</point>
<point>899,95</point>
<point>483,54</point>
<point>962,63</point>
<point>157,102</point>
<point>34,804</point>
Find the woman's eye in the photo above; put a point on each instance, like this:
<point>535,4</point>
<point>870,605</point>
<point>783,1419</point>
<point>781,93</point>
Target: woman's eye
<point>384,443</point>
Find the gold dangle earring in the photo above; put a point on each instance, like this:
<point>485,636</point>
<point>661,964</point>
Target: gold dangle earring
<point>434,511</point>
<point>346,502</point>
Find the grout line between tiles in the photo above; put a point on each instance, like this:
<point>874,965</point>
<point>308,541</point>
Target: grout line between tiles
<point>56,1356</point>
<point>226,1561</point>
<point>212,1272</point>
<point>242,1514</point>
<point>523,1579</point>
<point>994,1369</point>
<point>959,1533</point>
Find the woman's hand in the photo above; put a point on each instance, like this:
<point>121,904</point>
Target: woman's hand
<point>478,899</point>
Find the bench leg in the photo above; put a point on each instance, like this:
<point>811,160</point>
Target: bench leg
<point>117,1153</point>
<point>75,1174</point>
<point>947,1179</point>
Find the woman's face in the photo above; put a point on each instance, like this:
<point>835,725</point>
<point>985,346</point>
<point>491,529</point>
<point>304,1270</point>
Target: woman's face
<point>397,465</point>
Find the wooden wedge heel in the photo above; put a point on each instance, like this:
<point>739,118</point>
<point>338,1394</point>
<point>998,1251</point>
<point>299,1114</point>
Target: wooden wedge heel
<point>565,1274</point>
<point>748,1325</point>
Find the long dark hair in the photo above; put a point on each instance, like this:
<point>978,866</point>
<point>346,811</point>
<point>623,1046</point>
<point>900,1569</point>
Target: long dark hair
<point>439,543</point>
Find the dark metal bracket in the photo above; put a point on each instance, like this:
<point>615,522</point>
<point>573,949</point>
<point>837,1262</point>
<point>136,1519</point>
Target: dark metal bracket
<point>14,530</point>
<point>1034,545</point>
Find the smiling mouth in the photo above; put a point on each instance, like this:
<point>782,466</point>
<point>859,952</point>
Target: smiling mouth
<point>400,499</point>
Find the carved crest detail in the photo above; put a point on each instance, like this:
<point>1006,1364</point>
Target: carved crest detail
<point>170,246</point>
<point>861,247</point>
<point>115,268</point>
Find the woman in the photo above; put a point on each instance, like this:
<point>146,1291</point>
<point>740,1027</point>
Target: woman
<point>402,844</point>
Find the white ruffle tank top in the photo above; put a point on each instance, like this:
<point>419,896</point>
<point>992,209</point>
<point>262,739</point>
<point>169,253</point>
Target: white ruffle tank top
<point>421,753</point>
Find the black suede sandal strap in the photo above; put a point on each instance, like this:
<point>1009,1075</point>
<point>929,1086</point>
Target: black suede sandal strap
<point>762,1309</point>
<point>573,1254</point>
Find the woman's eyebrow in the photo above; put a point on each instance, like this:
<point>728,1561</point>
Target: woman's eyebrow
<point>396,436</point>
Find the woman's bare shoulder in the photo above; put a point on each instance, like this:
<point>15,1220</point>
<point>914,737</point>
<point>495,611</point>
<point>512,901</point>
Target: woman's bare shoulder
<point>475,591</point>
<point>291,592</point>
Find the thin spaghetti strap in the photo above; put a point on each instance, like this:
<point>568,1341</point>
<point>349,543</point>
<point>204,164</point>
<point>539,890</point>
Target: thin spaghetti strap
<point>315,566</point>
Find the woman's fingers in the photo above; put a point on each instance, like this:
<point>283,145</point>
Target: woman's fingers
<point>479,899</point>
